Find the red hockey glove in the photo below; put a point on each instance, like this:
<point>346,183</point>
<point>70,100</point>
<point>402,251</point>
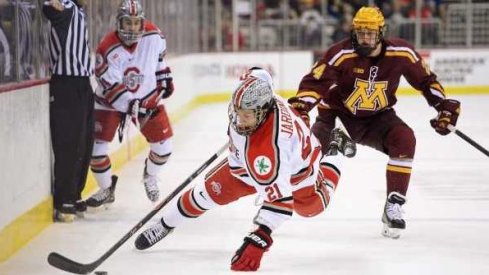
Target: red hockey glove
<point>249,255</point>
<point>164,82</point>
<point>448,111</point>
<point>302,107</point>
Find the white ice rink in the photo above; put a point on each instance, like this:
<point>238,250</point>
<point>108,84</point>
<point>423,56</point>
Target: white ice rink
<point>447,212</point>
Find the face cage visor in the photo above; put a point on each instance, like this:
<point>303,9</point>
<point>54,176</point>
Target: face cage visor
<point>365,40</point>
<point>240,125</point>
<point>130,36</point>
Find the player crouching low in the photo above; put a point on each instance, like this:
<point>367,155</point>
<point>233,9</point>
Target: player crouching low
<point>272,153</point>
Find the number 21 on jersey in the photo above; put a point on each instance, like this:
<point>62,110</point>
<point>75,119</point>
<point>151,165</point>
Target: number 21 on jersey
<point>273,192</point>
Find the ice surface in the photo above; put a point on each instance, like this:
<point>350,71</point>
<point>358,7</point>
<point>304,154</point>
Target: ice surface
<point>447,212</point>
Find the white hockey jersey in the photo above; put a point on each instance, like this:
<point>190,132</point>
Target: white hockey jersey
<point>280,157</point>
<point>127,73</point>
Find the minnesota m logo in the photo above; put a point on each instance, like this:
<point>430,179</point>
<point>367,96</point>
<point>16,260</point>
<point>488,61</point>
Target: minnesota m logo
<point>367,98</point>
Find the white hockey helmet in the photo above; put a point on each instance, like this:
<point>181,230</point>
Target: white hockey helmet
<point>130,10</point>
<point>252,101</point>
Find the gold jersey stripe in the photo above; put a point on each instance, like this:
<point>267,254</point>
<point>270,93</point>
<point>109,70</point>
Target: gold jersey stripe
<point>313,94</point>
<point>399,169</point>
<point>343,58</point>
<point>438,87</point>
<point>401,54</point>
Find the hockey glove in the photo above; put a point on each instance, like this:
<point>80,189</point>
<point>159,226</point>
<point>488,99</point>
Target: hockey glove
<point>249,255</point>
<point>302,107</point>
<point>448,111</point>
<point>164,82</point>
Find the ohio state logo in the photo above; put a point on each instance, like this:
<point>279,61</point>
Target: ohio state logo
<point>216,187</point>
<point>262,165</point>
<point>133,79</point>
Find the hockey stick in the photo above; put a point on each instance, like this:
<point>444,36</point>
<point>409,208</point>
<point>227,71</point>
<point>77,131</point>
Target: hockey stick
<point>469,140</point>
<point>63,263</point>
<point>126,119</point>
<point>151,112</point>
<point>334,146</point>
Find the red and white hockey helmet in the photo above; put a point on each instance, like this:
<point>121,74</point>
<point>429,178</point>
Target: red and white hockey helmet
<point>130,21</point>
<point>252,101</point>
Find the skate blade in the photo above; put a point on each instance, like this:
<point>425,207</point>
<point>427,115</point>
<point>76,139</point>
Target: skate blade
<point>65,218</point>
<point>393,233</point>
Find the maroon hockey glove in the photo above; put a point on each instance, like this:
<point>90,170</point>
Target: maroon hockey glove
<point>249,255</point>
<point>302,107</point>
<point>164,82</point>
<point>448,111</point>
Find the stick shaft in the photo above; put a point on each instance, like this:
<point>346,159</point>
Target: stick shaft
<point>61,262</point>
<point>468,140</point>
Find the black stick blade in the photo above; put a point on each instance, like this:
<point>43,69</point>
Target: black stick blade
<point>63,263</point>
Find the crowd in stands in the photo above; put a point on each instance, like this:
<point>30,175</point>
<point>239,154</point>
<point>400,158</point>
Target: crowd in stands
<point>280,24</point>
<point>334,19</point>
<point>22,43</point>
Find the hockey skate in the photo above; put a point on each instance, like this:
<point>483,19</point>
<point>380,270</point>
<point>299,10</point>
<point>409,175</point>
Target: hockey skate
<point>103,196</point>
<point>341,142</point>
<point>151,186</point>
<point>152,235</point>
<point>69,212</point>
<point>66,213</point>
<point>392,217</point>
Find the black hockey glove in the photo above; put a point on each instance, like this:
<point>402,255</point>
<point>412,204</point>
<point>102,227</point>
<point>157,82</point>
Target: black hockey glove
<point>248,256</point>
<point>164,82</point>
<point>448,111</point>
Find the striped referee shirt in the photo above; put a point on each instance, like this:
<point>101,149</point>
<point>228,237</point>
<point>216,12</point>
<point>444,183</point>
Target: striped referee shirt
<point>68,41</point>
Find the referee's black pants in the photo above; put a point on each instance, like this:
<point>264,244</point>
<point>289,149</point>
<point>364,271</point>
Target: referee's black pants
<point>72,128</point>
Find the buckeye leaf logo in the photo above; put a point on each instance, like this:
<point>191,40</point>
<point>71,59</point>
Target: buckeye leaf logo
<point>262,165</point>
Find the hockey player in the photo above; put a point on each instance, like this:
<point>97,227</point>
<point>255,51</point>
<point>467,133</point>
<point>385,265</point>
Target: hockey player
<point>356,80</point>
<point>272,153</point>
<point>132,78</point>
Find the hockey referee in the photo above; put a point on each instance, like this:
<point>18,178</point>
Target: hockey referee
<point>71,104</point>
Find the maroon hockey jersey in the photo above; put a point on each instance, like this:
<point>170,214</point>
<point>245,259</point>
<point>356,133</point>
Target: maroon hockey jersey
<point>364,86</point>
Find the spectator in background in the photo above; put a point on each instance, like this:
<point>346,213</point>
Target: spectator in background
<point>227,31</point>
<point>71,104</point>
<point>312,23</point>
<point>427,9</point>
<point>343,30</point>
<point>5,59</point>
<point>280,9</point>
<point>25,20</point>
<point>21,28</point>
<point>337,8</point>
<point>386,6</point>
<point>6,42</point>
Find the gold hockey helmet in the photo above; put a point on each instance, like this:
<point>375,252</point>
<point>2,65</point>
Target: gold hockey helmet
<point>369,18</point>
